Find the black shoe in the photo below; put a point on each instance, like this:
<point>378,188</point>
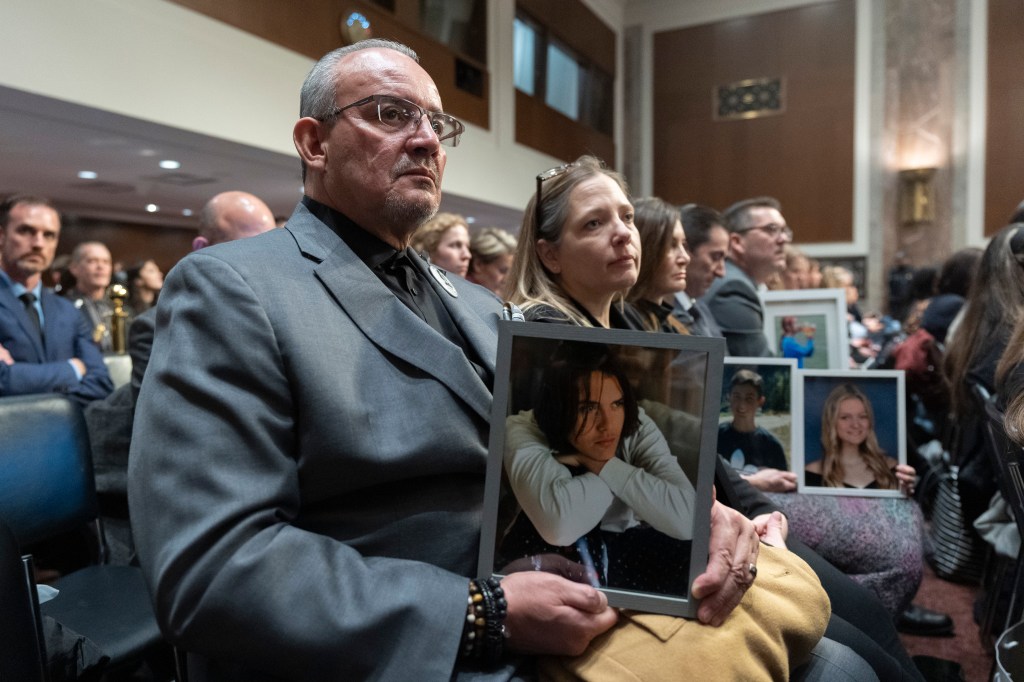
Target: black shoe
<point>917,620</point>
<point>939,669</point>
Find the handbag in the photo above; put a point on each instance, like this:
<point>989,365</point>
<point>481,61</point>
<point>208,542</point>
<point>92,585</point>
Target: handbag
<point>956,551</point>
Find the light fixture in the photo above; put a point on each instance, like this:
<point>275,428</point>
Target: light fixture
<point>152,208</point>
<point>917,196</point>
<point>470,219</point>
<point>186,212</point>
<point>170,164</point>
<point>88,175</point>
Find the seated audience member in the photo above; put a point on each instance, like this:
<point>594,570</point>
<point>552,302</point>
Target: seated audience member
<point>750,448</point>
<point>994,306</point>
<point>663,267</point>
<point>560,277</point>
<point>145,280</point>
<point>758,235</point>
<point>790,346</point>
<point>492,250</point>
<point>922,288</point>
<point>445,240</point>
<point>862,349</point>
<point>951,290</point>
<point>372,532</point>
<point>813,274</point>
<point>45,342</point>
<point>797,272</point>
<point>900,275</point>
<point>226,217</point>
<point>707,242</point>
<point>91,267</point>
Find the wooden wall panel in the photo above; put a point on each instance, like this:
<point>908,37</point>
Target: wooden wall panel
<point>803,157</point>
<point>1004,147</point>
<point>310,27</point>
<point>541,127</point>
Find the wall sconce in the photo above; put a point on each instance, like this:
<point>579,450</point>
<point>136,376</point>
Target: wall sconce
<point>917,196</point>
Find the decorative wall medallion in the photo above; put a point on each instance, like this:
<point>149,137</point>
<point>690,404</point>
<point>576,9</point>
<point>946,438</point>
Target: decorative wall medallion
<point>749,99</point>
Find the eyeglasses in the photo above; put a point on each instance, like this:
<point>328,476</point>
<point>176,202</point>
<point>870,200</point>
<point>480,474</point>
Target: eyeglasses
<point>773,231</point>
<point>547,175</point>
<point>402,115</point>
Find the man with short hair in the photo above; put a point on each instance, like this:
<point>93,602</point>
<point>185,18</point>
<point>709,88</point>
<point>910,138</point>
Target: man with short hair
<point>708,244</point>
<point>758,235</point>
<point>92,266</point>
<point>310,506</point>
<point>45,343</point>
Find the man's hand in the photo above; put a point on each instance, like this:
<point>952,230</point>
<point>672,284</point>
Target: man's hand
<point>732,549</point>
<point>772,480</point>
<point>80,366</point>
<point>5,356</point>
<point>548,614</point>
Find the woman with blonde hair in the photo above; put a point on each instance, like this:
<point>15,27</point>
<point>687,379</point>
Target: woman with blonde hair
<point>579,252</point>
<point>492,250</point>
<point>851,456</point>
<point>445,240</point>
<point>663,267</point>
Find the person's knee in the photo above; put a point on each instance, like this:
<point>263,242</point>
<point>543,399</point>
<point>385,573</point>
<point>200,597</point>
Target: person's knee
<point>833,661</point>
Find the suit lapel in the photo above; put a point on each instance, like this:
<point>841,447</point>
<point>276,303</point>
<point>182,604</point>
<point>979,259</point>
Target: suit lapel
<point>17,311</point>
<point>384,319</point>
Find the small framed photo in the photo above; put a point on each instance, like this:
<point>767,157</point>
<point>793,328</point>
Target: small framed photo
<point>854,425</point>
<point>602,459</point>
<point>755,418</point>
<point>808,325</point>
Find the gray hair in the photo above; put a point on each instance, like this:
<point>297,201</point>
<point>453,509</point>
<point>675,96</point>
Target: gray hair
<point>737,216</point>
<point>319,90</point>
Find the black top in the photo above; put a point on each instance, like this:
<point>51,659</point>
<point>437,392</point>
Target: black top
<point>758,448</point>
<point>399,273</point>
<point>622,316</point>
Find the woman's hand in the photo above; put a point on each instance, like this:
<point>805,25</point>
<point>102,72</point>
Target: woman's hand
<point>907,477</point>
<point>732,551</point>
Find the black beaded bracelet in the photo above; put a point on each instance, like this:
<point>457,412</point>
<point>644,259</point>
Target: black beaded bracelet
<point>483,635</point>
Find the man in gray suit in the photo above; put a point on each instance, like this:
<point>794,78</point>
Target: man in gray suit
<point>306,474</point>
<point>758,235</point>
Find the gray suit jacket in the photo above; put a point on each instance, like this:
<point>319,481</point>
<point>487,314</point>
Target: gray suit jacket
<point>735,305</point>
<point>307,468</point>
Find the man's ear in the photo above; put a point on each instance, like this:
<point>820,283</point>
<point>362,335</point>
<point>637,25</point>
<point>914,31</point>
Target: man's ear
<point>760,401</point>
<point>200,243</point>
<point>548,255</point>
<point>736,243</point>
<point>308,138</point>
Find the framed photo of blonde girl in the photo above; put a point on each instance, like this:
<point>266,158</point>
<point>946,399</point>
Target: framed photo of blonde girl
<point>854,425</point>
<point>602,456</point>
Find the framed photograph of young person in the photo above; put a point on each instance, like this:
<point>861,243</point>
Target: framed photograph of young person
<point>602,459</point>
<point>808,325</point>
<point>854,425</point>
<point>755,418</point>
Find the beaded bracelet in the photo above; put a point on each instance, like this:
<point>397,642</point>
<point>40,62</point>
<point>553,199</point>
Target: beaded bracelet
<point>483,635</point>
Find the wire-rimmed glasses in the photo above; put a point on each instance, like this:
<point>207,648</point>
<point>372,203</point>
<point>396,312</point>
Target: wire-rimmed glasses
<point>400,114</point>
<point>773,230</point>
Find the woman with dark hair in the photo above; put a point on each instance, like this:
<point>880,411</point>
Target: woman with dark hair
<point>145,279</point>
<point>595,478</point>
<point>663,267</point>
<point>851,456</point>
<point>995,304</point>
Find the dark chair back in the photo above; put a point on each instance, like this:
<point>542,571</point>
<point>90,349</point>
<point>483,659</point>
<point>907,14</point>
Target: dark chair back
<point>46,478</point>
<point>22,656</point>
<point>1008,461</point>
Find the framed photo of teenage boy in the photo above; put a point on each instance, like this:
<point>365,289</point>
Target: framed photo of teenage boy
<point>808,325</point>
<point>602,458</point>
<point>756,414</point>
<point>854,425</point>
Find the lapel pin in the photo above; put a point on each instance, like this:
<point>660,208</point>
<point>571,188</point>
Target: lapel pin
<point>445,283</point>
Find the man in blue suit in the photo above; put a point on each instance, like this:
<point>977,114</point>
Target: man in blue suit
<point>45,344</point>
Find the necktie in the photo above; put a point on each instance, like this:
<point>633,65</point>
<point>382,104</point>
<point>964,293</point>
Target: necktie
<point>29,299</point>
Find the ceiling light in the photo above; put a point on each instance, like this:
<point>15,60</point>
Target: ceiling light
<point>186,212</point>
<point>470,220</point>
<point>88,175</point>
<point>152,208</point>
<point>147,152</point>
<point>170,164</point>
